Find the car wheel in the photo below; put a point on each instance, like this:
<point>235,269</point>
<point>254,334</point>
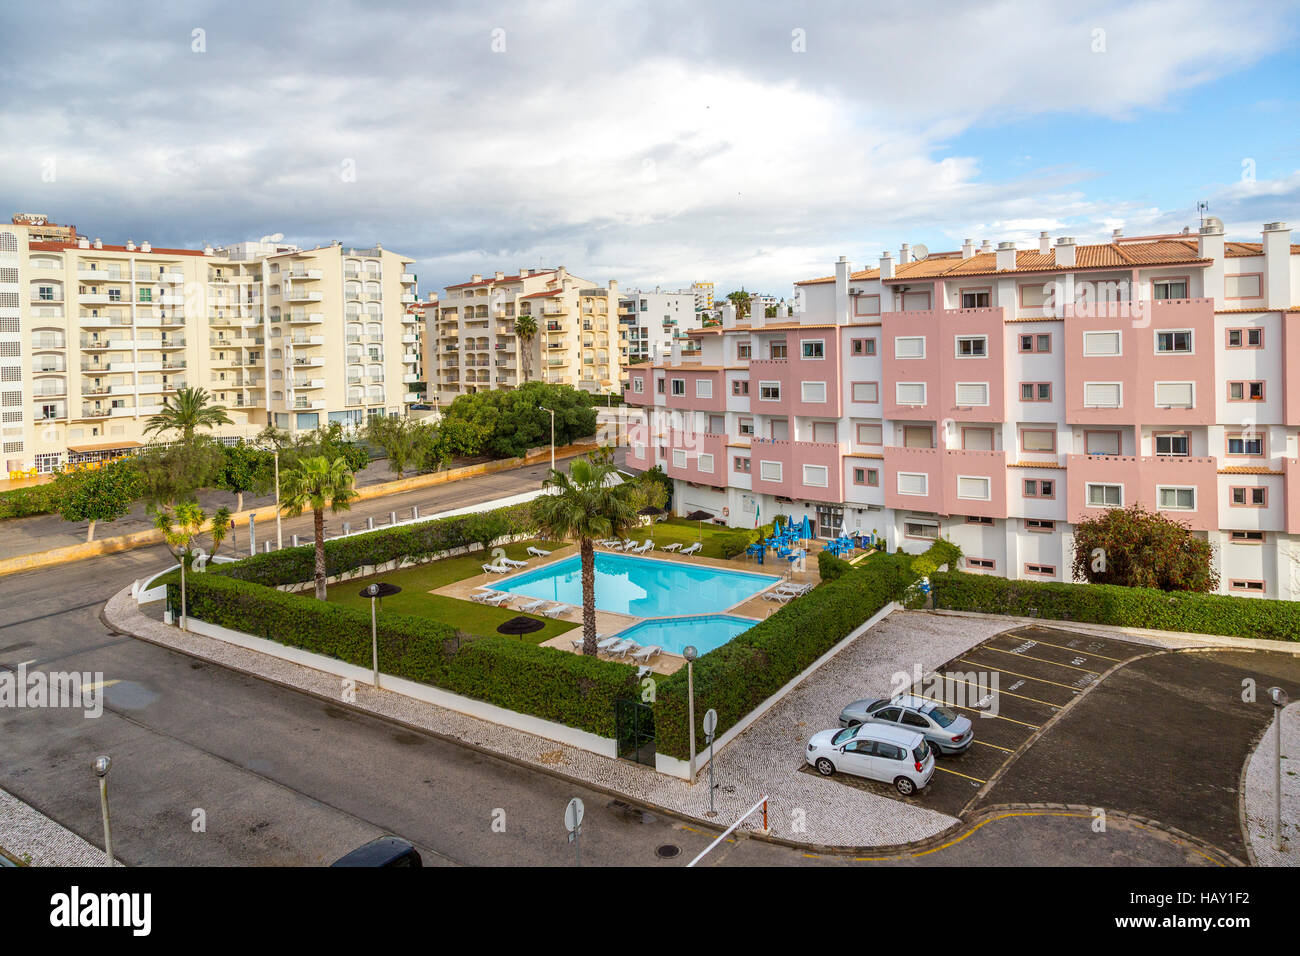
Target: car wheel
<point>825,767</point>
<point>905,786</point>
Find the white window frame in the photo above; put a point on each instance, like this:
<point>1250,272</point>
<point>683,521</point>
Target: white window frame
<point>679,462</point>
<point>957,394</point>
<point>956,346</point>
<point>1155,341</point>
<point>898,399</point>
<point>772,385</point>
<point>865,401</point>
<point>672,388</point>
<point>762,470</point>
<point>925,482</point>
<point>638,384</point>
<point>1119,343</point>
<point>1161,489</point>
<point>700,463</point>
<point>704,388</point>
<point>1087,493</point>
<point>1118,385</point>
<point>812,358</point>
<point>908,338</point>
<point>803,393</point>
<point>826,476</point>
<point>1155,394</point>
<point>988,487</point>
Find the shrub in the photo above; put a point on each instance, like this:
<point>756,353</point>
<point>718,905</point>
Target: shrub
<point>540,681</point>
<point>1120,606</point>
<point>1134,547</point>
<point>830,566</point>
<point>32,500</point>
<point>735,543</point>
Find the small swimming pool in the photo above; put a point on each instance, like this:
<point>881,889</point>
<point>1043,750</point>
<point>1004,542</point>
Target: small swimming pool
<point>705,631</point>
<point>641,587</point>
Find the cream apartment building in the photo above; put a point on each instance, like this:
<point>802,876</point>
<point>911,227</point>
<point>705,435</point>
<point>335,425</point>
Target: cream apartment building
<point>475,345</point>
<point>94,337</point>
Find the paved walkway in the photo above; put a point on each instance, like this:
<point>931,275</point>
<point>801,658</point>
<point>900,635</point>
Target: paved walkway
<point>1258,797</point>
<point>28,836</point>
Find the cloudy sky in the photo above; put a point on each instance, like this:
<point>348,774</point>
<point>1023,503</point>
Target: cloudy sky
<point>654,143</point>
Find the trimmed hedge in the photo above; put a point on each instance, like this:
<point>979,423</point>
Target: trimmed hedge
<point>554,685</point>
<point>413,541</point>
<point>32,500</point>
<point>830,566</point>
<point>738,676</point>
<point>1119,606</point>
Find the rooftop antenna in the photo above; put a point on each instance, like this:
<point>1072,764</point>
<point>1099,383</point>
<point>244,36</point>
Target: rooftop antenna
<point>1203,207</point>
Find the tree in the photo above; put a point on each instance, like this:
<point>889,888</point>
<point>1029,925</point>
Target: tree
<point>180,526</point>
<point>513,422</point>
<point>188,410</point>
<point>98,494</point>
<point>586,505</point>
<point>526,329</point>
<point>220,529</point>
<point>317,483</point>
<point>246,468</point>
<point>327,441</point>
<point>403,439</point>
<point>1136,548</point>
<point>740,299</point>
<point>175,473</point>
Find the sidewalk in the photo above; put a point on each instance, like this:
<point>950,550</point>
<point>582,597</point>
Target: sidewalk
<point>30,837</point>
<point>1257,795</point>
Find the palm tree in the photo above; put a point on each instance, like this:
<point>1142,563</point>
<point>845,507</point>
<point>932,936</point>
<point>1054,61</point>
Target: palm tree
<point>317,483</point>
<point>526,329</point>
<point>179,528</point>
<point>587,504</point>
<point>190,409</point>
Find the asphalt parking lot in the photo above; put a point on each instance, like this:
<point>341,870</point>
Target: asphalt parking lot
<point>1010,686</point>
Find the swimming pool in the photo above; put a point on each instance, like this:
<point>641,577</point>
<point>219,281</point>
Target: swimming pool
<point>642,587</point>
<point>705,631</point>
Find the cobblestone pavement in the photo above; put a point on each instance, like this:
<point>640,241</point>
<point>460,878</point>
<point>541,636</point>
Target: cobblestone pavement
<point>29,836</point>
<point>1258,797</point>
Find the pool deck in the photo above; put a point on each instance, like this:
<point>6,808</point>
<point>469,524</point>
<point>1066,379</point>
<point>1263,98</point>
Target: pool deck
<point>609,622</point>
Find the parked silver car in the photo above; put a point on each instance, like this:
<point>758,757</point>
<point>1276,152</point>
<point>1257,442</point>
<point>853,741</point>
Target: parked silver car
<point>947,731</point>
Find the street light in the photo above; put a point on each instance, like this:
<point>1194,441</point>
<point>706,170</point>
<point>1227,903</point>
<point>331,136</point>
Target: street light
<point>378,589</point>
<point>690,653</point>
<point>552,411</point>
<point>1279,698</point>
<point>101,765</point>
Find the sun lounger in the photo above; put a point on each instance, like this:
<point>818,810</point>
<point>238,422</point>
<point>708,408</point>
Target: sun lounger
<point>644,670</point>
<point>675,546</point>
<point>483,596</point>
<point>643,548</point>
<point>512,563</point>
<point>647,653</point>
<point>557,611</point>
<point>497,599</point>
<point>622,647</point>
<point>495,569</point>
<point>791,587</point>
<point>776,594</point>
<point>696,547</point>
<point>581,639</point>
<point>538,552</point>
<point>531,606</point>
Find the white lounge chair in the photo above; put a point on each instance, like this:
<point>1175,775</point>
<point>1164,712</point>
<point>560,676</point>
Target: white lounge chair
<point>647,653</point>
<point>776,594</point>
<point>498,599</point>
<point>643,671</point>
<point>495,569</point>
<point>628,544</point>
<point>558,611</point>
<point>622,647</point>
<point>607,644</point>
<point>693,549</point>
<point>578,641</point>
<point>538,552</point>
<point>675,546</point>
<point>483,596</point>
<point>643,548</point>
<point>531,606</point>
<point>793,587</point>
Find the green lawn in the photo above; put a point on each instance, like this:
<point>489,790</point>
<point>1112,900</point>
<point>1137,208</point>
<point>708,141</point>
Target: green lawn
<point>465,616</point>
<point>687,533</point>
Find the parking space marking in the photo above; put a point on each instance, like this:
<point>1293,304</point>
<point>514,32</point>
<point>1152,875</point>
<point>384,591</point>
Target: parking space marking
<point>976,710</point>
<point>1007,693</point>
<point>1005,750</point>
<point>1062,647</point>
<point>1041,680</point>
<point>956,774</point>
<point>1041,660</point>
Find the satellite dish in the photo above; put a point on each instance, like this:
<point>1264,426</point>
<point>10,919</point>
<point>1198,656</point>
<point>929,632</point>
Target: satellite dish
<point>920,251</point>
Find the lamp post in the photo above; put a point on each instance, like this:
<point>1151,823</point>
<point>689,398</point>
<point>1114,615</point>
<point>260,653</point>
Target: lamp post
<point>552,411</point>
<point>378,589</point>
<point>101,766</point>
<point>1280,699</point>
<point>279,536</point>
<point>690,653</point>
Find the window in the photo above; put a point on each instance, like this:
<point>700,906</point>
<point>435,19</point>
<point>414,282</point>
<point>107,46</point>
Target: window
<point>1039,524</point>
<point>918,436</point>
<point>769,470</point>
<point>972,346</point>
<point>740,387</point>
<point>1248,497</point>
<point>1102,394</point>
<point>1169,289</point>
<point>1044,570</point>
<point>1040,488</point>
<point>1035,391</point>
<point>705,463</point>
<point>638,384</point>
<point>744,350</point>
<point>817,476</point>
<point>1101,343</point>
<point>1105,496</point>
<point>740,464</point>
<point>866,391</point>
<point>911,483</point>
<point>869,434</point>
<point>777,350</point>
<point>1172,446</point>
<point>679,458</point>
<point>1245,338</point>
<point>769,391</point>
<point>1245,391</point>
<point>1176,499</point>
<point>1244,286</point>
<point>1251,587</point>
<point>1038,342</point>
<point>704,388</point>
<point>1246,445</point>
<point>1101,443</point>
<point>1174,341</point>
<point>910,393</point>
<point>977,439</point>
<point>679,386</point>
<point>1037,439</point>
<point>981,564</point>
<point>813,392</point>
<point>920,528</point>
<point>1175,394</point>
<point>814,349</point>
<point>975,299</point>
<point>915,301</point>
<point>866,476</point>
<point>1247,537</point>
<point>972,393</point>
<point>659,385</point>
<point>747,426</point>
<point>862,347</point>
<point>909,347</point>
<point>979,519</point>
<point>977,489</point>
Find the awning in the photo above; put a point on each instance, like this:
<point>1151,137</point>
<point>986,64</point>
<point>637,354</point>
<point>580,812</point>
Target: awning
<point>104,446</point>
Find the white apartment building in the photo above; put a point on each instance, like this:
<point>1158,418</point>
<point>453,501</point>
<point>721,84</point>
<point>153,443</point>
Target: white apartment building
<point>998,396</point>
<point>649,321</point>
<point>475,344</point>
<point>94,337</point>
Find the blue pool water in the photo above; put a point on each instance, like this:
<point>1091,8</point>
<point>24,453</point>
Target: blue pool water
<point>705,631</point>
<point>641,587</point>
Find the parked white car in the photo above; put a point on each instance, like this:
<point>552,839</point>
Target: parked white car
<point>876,751</point>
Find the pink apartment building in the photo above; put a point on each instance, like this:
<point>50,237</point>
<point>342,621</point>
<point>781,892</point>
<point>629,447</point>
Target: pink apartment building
<point>997,396</point>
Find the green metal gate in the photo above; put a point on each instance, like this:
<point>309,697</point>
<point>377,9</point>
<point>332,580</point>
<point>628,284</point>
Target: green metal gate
<point>634,729</point>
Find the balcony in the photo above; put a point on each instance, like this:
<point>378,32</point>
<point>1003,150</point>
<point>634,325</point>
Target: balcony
<point>409,339</point>
<point>1141,478</point>
<point>304,274</point>
<point>92,343</point>
<point>301,405</point>
<point>102,321</point>
<point>102,275</point>
<point>303,295</point>
<point>304,340</point>
<point>408,278</point>
<point>169,344</point>
<point>309,383</point>
<point>955,481</point>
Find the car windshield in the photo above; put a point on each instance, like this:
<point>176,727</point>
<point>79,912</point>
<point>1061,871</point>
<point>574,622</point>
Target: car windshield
<point>845,734</point>
<point>921,752</point>
<point>941,715</point>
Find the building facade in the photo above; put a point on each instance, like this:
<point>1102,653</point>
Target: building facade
<point>94,338</point>
<point>996,397</point>
<point>475,344</point>
<point>649,321</point>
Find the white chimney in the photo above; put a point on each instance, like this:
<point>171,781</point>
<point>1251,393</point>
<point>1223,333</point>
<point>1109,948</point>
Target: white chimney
<point>130,245</point>
<point>986,246</point>
<point>499,275</point>
<point>1116,234</point>
<point>842,311</point>
<point>476,277</point>
<point>1209,245</point>
<point>968,248</point>
<point>905,254</point>
<point>145,247</point>
<point>83,242</point>
<point>1006,255</point>
<point>207,250</point>
<point>728,316</point>
<point>1044,243</point>
<point>1277,265</point>
<point>524,273</point>
<point>560,274</point>
<point>1065,252</point>
<point>886,265</point>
